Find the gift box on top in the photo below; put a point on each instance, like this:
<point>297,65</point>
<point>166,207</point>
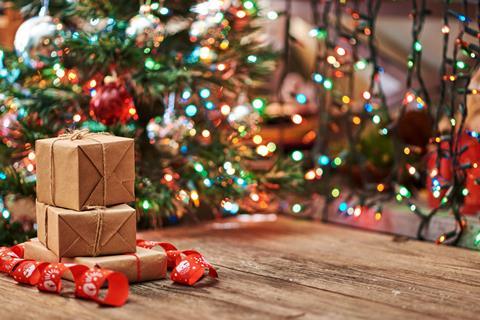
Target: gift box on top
<point>85,169</point>
<point>143,265</point>
<point>96,232</point>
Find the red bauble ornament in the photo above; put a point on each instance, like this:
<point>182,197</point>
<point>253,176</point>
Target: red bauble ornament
<point>111,104</point>
<point>444,174</point>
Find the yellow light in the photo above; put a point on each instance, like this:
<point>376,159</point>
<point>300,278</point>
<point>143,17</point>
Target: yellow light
<point>204,53</point>
<point>194,196</point>
<point>206,133</point>
<point>71,75</point>
<point>310,175</point>
<point>168,177</point>
<point>331,59</point>
<point>406,150</point>
<point>221,67</point>
<point>380,187</point>
<point>378,216</point>
<point>297,119</point>
<point>225,109</point>
<point>356,120</point>
<point>475,165</point>
<point>192,132</point>
<point>77,118</point>
<point>262,150</point>
<point>132,111</point>
<point>93,83</point>
<point>257,139</point>
<point>438,140</point>
<point>241,14</point>
<point>224,44</point>
<point>346,99</point>
<point>271,146</point>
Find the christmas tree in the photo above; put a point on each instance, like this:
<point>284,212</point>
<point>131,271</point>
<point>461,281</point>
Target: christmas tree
<point>181,77</point>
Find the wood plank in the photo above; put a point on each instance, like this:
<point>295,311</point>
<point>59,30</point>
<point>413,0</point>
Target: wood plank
<point>288,269</point>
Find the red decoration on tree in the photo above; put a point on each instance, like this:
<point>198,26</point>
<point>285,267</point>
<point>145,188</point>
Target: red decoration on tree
<point>112,104</point>
<point>444,174</point>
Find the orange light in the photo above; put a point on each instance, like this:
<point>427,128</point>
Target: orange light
<point>378,216</point>
<point>310,175</point>
<point>356,120</point>
<point>380,187</point>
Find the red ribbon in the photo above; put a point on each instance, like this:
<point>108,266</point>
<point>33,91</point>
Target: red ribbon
<point>48,277</point>
<point>188,266</point>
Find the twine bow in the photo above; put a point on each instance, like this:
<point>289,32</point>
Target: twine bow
<point>77,135</point>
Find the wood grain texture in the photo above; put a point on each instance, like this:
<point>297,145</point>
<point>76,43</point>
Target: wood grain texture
<point>287,269</point>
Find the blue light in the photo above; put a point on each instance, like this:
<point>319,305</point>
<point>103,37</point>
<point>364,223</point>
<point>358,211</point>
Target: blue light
<point>368,107</point>
<point>301,98</point>
<point>205,93</point>
<point>462,18</point>
<point>191,110</point>
<point>164,11</point>
<point>209,105</point>
<point>342,206</point>
<point>323,160</point>
<point>184,149</point>
<point>3,176</point>
<point>234,209</point>
<point>317,77</point>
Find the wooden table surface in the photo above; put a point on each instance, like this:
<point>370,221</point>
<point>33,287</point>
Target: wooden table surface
<point>287,269</point>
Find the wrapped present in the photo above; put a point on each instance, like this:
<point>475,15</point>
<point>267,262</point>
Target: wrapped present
<point>96,232</point>
<point>143,265</point>
<point>84,169</point>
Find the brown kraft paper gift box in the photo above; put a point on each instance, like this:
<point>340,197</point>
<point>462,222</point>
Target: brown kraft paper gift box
<point>152,263</point>
<point>100,231</point>
<point>84,169</point>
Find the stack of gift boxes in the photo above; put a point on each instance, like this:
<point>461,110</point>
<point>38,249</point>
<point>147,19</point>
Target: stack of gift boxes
<point>84,181</point>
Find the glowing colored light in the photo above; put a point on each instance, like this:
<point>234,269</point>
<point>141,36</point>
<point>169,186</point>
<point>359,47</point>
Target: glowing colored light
<point>198,167</point>
<point>296,208</point>
<point>410,63</point>
<point>406,150</point>
<point>272,15</point>
<point>368,107</point>
<point>207,182</point>
<point>254,196</point>
<point>328,84</point>
<point>241,14</point>
<point>441,239</point>
<point>92,83</point>
<point>376,119</point>
<point>465,192</point>
<point>445,29</point>
<point>380,187</point>
<point>163,11</point>
<point>337,161</point>
<point>341,51</point>
<point>206,133</point>
<point>317,77</point>
<point>476,241</point>
<point>360,65</point>
<point>404,192</point>
<point>297,155</point>
<point>31,155</point>
<point>366,95</point>
<point>297,119</point>
<point>335,192</point>
<point>258,103</point>
<point>77,118</point>
<point>461,65</point>
<point>357,212</point>
<point>310,175</point>
<point>248,5</point>
<point>331,59</point>
<point>343,206</point>
<point>378,216</point>
<point>5,214</point>
<point>262,150</point>
<point>301,98</point>
<point>191,110</point>
<point>205,93</point>
<point>145,204</point>
<point>417,46</point>
<point>356,120</point>
<point>271,146</point>
<point>186,95</point>
<point>412,170</point>
<point>149,63</point>
<point>252,58</point>
<point>225,109</point>
<point>346,99</point>
<point>323,160</point>
<point>257,139</point>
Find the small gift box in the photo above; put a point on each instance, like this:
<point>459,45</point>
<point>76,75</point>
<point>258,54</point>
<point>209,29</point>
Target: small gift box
<point>84,169</point>
<point>96,232</point>
<point>143,265</point>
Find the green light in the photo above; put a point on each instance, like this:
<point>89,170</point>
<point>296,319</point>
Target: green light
<point>296,208</point>
<point>337,161</point>
<point>252,58</point>
<point>328,84</point>
<point>149,63</point>
<point>417,46</point>
<point>361,65</point>
<point>198,167</point>
<point>410,63</point>
<point>476,241</point>
<point>146,50</point>
<point>248,5</point>
<point>297,155</point>
<point>404,192</point>
<point>444,200</point>
<point>155,6</point>
<point>461,65</point>
<point>145,204</point>
<point>398,197</point>
<point>465,192</point>
<point>335,192</point>
<point>258,103</point>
